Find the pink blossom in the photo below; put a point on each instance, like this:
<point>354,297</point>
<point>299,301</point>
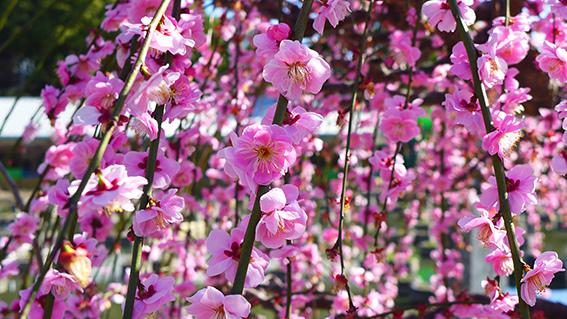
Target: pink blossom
<point>144,124</point>
<point>261,155</point>
<point>59,284</point>
<point>490,235</point>
<point>399,184</point>
<point>467,109</point>
<point>160,214</point>
<point>282,217</point>
<point>84,152</point>
<point>58,157</point>
<point>115,16</point>
<point>296,68</point>
<point>30,133</point>
<point>299,123</point>
<point>512,46</point>
<point>461,66</point>
<point>559,163</point>
<point>81,66</point>
<point>226,254</point>
<point>502,140</point>
<point>58,194</point>
<point>109,190</point>
<point>491,288</point>
<point>102,92</point>
<point>37,305</point>
<point>439,14</point>
<point>401,49</point>
<point>183,100</point>
<point>156,89</point>
<point>268,43</point>
<point>191,27</point>
<point>152,294</point>
<point>535,280</point>
<point>167,36</point>
<point>553,61</point>
<point>520,185</point>
<point>23,228</point>
<point>188,173</point>
<point>519,22</point>
<point>165,168</point>
<point>512,101</point>
<point>211,303</point>
<point>332,10</point>
<point>491,68</point>
<point>505,302</point>
<point>53,106</point>
<point>96,225</point>
<point>558,6</point>
<point>399,126</point>
<point>9,268</point>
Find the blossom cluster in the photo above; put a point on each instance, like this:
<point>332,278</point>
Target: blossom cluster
<point>351,208</point>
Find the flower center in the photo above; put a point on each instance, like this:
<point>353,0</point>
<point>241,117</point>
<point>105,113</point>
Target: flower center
<point>234,251</point>
<point>264,152</point>
<point>512,185</point>
<point>484,234</point>
<point>298,73</point>
<point>219,313</point>
<point>508,141</point>
<point>143,293</point>
<point>470,106</point>
<point>538,280</point>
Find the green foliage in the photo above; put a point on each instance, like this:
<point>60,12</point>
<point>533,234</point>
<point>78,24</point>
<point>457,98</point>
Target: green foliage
<point>35,41</point>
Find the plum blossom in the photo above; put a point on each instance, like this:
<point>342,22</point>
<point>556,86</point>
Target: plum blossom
<point>296,68</point>
<point>24,227</point>
<point>30,133</point>
<point>501,261</point>
<point>439,14</point>
<point>385,162</point>
<point>512,46</point>
<point>136,164</point>
<point>399,125</point>
<point>298,123</point>
<point>76,261</point>
<point>553,60</point>
<point>102,92</point>
<point>559,163</point>
<point>401,49</point>
<point>559,6</point>
<point>467,109</point>
<point>109,190</point>
<point>59,284</point>
<point>261,155</point>
<point>57,160</point>
<point>490,235</point>
<point>167,36</point>
<point>491,67</point>
<point>268,43</point>
<point>226,254</point>
<point>191,27</point>
<point>535,280</point>
<point>160,214</point>
<point>520,185</point>
<point>84,152</point>
<point>211,303</point>
<point>502,140</point>
<point>461,66</point>
<point>512,101</point>
<point>332,10</point>
<point>282,217</point>
<point>152,294</point>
